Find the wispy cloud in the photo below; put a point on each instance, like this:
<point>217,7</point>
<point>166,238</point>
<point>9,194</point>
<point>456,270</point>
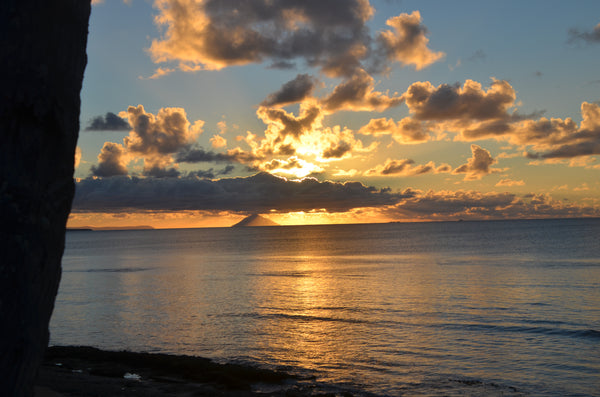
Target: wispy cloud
<point>406,167</point>
<point>590,37</point>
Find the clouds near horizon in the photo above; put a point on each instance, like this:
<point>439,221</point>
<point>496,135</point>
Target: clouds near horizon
<point>449,205</point>
<point>265,193</point>
<point>259,193</point>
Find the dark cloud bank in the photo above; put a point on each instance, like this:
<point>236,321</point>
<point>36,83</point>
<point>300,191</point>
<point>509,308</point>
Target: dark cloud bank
<point>108,122</point>
<point>260,193</point>
<point>263,192</point>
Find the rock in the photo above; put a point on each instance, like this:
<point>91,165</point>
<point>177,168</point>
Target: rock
<point>42,48</point>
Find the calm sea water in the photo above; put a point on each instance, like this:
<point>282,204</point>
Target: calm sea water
<point>461,308</point>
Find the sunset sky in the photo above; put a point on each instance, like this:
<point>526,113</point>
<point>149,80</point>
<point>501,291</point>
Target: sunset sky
<point>198,113</point>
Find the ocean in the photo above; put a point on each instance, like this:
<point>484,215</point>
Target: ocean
<point>415,309</point>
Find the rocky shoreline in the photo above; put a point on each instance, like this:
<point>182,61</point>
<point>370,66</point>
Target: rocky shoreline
<point>87,371</point>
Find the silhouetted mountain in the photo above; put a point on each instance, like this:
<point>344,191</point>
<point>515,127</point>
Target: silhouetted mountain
<point>255,220</point>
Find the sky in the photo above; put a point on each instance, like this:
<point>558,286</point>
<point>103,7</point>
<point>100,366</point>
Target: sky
<point>197,113</point>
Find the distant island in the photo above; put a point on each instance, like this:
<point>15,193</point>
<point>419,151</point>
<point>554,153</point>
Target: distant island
<point>255,220</point>
<point>92,228</point>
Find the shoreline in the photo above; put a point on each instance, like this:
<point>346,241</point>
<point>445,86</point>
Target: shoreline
<point>87,371</point>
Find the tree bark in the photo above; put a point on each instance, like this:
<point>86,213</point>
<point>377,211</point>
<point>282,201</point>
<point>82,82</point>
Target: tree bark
<point>42,60</point>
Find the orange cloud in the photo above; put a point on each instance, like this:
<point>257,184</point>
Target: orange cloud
<point>218,141</point>
<point>406,131</point>
<point>332,35</point>
<point>407,43</point>
<point>406,167</point>
<point>281,124</point>
<point>510,182</point>
<point>292,166</point>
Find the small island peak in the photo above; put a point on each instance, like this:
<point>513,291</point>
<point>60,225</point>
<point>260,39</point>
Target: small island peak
<point>255,220</point>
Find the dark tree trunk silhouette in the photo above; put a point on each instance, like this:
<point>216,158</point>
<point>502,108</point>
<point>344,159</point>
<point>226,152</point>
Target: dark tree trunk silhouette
<point>42,60</point>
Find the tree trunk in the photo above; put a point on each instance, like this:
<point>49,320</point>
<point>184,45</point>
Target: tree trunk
<point>42,59</point>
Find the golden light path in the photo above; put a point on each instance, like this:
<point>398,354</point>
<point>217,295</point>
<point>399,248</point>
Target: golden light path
<point>196,219</point>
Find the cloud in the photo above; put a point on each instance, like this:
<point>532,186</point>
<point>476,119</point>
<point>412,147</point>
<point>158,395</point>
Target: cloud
<point>510,182</point>
<point>161,172</point>
<point>108,122</point>
<point>583,187</point>
<point>222,125</point>
<point>562,139</point>
<point>157,137</point>
<point>293,91</point>
<point>453,102</point>
<point>448,205</point>
<point>217,141</point>
<point>331,35</point>
<point>478,55</point>
<point>344,173</point>
<point>200,155</point>
<point>158,73</point>
<point>337,150</point>
<point>154,138</point>
<point>210,173</point>
<point>406,131</point>
<point>406,167</point>
<point>475,113</point>
<point>164,133</point>
<point>407,43</point>
<point>331,144</point>
<point>259,193</point>
<point>303,136</point>
<point>591,37</point>
<point>292,166</point>
<point>357,93</point>
<point>478,165</point>
<point>112,161</point>
<point>281,124</point>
